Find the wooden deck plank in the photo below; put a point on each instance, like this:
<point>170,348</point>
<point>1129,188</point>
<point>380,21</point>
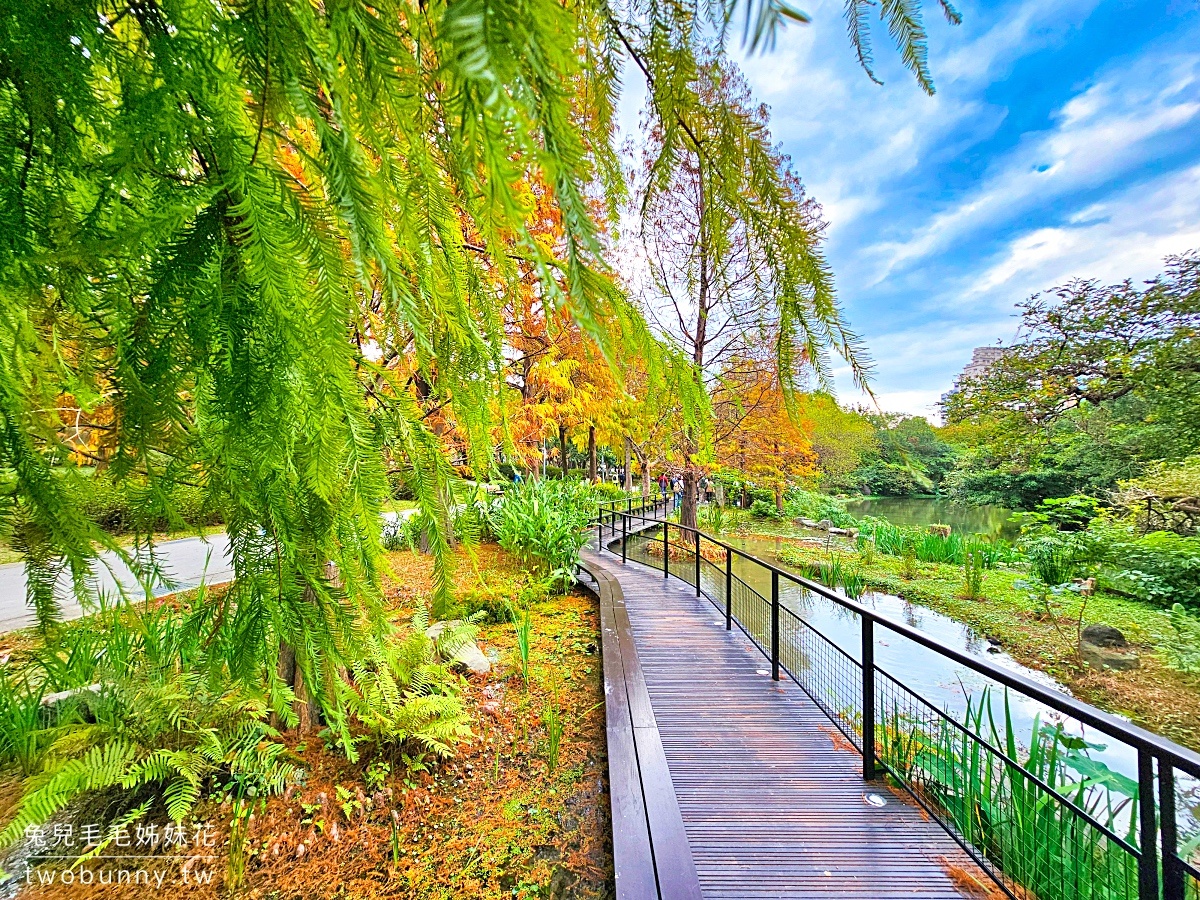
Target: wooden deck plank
<point>771,806</point>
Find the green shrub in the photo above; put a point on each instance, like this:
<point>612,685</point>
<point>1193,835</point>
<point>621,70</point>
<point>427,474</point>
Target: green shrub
<point>606,490</point>
<point>1183,647</point>
<point>1162,567</point>
<point>1055,558</point>
<point>765,509</point>
<point>401,534</point>
<point>120,507</point>
<point>802,504</point>
<point>888,480</point>
<point>544,523</point>
<point>1060,513</point>
<point>484,606</point>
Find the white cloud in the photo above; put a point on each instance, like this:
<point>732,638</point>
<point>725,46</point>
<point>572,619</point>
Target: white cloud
<point>1103,133</point>
<point>1126,236</point>
<point>1024,29</point>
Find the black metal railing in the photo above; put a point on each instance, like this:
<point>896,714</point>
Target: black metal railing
<point>1032,832</point>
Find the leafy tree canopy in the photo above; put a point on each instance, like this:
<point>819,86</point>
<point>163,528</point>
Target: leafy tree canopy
<point>1099,384</point>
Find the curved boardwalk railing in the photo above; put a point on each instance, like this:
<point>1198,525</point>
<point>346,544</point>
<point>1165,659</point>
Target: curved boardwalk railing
<point>1032,835</point>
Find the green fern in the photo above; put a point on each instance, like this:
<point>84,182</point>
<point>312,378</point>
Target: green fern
<point>404,691</point>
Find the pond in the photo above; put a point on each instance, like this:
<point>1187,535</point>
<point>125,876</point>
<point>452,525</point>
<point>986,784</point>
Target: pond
<point>992,521</point>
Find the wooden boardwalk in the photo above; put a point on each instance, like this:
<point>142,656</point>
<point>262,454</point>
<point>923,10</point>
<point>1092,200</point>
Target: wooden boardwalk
<point>773,806</point>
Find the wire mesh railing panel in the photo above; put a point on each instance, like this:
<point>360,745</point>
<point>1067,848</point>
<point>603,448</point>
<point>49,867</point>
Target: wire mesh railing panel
<point>1036,832</point>
<point>1191,883</point>
<point>826,673</point>
<point>1180,812</point>
<point>753,613</point>
<point>712,582</point>
<point>1043,820</point>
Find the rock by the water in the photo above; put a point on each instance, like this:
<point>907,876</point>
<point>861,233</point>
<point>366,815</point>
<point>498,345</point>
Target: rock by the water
<point>469,656</point>
<point>1101,658</point>
<point>1104,636</point>
<point>825,524</point>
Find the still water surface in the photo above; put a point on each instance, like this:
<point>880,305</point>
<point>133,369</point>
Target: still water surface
<point>992,521</point>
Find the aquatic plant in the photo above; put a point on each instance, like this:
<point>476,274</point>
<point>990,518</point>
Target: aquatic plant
<point>524,632</point>
<point>552,719</point>
<point>973,577</point>
<point>933,546</point>
<point>713,518</point>
<point>908,559</point>
<point>993,791</point>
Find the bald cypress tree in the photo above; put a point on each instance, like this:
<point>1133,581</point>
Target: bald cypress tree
<point>267,237</point>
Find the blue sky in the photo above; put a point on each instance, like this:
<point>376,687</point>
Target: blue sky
<point>1063,141</point>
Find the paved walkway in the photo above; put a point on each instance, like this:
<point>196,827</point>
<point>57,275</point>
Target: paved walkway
<point>189,562</point>
<point>772,804</point>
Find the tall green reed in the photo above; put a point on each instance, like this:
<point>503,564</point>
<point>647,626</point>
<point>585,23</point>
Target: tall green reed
<point>523,625</point>
<point>999,806</point>
<point>552,719</point>
<point>973,577</point>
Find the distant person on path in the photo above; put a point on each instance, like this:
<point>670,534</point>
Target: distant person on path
<point>662,486</point>
<point>677,486</point>
<point>517,479</point>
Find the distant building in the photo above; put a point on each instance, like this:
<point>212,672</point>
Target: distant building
<point>982,361</point>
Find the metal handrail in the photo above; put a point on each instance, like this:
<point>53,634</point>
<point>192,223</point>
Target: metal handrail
<point>1157,823</point>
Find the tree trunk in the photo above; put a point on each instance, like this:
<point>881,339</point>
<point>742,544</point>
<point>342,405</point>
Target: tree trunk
<point>562,449</point>
<point>687,509</point>
<point>628,480</point>
<point>592,454</point>
<point>306,708</point>
<point>285,668</point>
<point>778,485</point>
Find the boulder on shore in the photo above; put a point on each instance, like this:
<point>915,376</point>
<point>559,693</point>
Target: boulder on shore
<point>1101,658</point>
<point>1104,636</point>
<point>469,656</point>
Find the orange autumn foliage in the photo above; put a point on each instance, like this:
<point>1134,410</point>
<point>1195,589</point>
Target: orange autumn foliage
<point>757,434</point>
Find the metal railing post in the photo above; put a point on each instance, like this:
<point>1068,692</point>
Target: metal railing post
<point>624,537</point>
<point>1147,828</point>
<point>728,589</point>
<point>774,625</point>
<point>697,563</point>
<point>1172,871</point>
<point>868,698</point>
<point>666,550</point>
